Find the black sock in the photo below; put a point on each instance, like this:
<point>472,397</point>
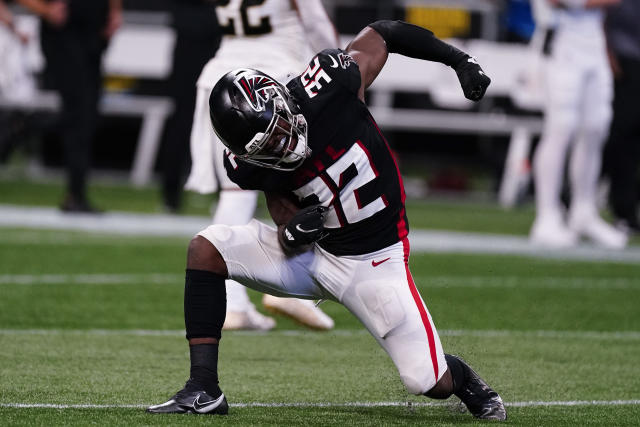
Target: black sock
<point>204,367</point>
<point>457,372</point>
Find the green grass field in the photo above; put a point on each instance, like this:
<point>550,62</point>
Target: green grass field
<point>91,332</point>
<point>97,320</point>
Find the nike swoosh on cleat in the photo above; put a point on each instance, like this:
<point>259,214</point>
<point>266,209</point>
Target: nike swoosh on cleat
<point>303,230</point>
<point>204,407</point>
<point>375,264</point>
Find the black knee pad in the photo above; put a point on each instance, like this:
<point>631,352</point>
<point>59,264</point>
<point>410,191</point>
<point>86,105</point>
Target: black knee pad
<point>205,304</point>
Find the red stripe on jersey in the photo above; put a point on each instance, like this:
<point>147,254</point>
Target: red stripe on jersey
<point>373,166</point>
<point>402,224</point>
<point>335,155</point>
<point>423,312</point>
<point>318,164</point>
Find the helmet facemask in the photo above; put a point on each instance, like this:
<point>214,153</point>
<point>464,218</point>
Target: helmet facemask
<point>283,145</point>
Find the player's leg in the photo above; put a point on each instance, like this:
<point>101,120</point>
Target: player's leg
<point>385,299</point>
<point>204,314</point>
<point>236,207</point>
<point>251,255</point>
<point>586,160</point>
<point>201,177</point>
<point>561,117</point>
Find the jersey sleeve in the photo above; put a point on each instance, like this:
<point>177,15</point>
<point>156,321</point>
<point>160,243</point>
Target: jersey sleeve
<point>329,68</point>
<point>251,177</point>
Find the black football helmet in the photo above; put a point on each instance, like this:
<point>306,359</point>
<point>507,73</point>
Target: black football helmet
<point>257,120</point>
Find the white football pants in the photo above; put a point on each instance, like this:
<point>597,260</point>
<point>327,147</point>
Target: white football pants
<point>376,287</point>
<point>578,112</point>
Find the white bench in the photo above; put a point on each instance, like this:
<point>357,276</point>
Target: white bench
<point>153,110</point>
<point>514,70</point>
<point>136,50</point>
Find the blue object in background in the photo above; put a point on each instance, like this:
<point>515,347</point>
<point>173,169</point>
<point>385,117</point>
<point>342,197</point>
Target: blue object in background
<point>518,20</point>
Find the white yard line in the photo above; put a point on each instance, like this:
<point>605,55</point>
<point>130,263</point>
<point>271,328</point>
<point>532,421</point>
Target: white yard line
<point>483,333</point>
<point>542,282</point>
<point>430,241</point>
<point>89,279</point>
<point>526,404</point>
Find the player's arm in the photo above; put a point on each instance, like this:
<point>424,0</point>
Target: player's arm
<point>281,208</point>
<point>316,23</point>
<point>297,228</point>
<point>372,45</point>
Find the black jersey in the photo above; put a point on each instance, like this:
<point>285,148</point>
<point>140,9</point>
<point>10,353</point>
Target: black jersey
<point>351,168</point>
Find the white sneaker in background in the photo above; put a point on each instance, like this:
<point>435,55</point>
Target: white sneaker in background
<point>250,319</point>
<point>599,231</point>
<point>302,311</point>
<point>552,233</point>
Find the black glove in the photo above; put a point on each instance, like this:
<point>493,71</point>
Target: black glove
<point>306,227</point>
<point>473,80</point>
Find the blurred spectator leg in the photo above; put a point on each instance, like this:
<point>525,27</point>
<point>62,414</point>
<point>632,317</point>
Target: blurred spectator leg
<point>198,37</point>
<point>73,63</point>
<point>622,158</point>
<point>187,63</point>
<point>560,124</point>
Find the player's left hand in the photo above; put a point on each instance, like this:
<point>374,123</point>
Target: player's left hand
<point>473,80</point>
<point>306,227</point>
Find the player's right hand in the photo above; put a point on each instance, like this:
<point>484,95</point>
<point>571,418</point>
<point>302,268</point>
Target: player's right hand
<point>306,227</point>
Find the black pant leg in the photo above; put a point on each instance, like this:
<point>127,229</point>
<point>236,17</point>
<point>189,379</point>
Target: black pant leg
<point>622,153</point>
<point>73,61</point>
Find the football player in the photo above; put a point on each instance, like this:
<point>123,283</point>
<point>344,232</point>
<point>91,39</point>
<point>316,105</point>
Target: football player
<point>274,36</point>
<point>336,195</point>
<point>577,116</point>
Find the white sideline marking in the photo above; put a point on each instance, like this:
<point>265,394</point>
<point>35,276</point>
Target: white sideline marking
<point>89,279</point>
<point>429,241</point>
<point>509,282</point>
<point>486,333</point>
<point>526,404</point>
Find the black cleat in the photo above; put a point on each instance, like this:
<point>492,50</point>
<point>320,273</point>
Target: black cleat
<point>480,399</point>
<point>192,399</point>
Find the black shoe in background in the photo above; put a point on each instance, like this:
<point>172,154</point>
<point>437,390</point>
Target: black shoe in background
<point>73,204</point>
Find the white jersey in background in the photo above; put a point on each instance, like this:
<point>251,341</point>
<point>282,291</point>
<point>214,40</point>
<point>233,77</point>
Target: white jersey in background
<point>277,37</point>
<point>269,35</point>
<point>272,36</point>
<point>579,92</point>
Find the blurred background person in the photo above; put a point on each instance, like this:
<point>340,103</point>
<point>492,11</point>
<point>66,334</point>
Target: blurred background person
<point>197,39</point>
<point>275,37</point>
<point>577,116</point>
<point>17,82</point>
<point>74,34</point>
<point>622,153</point>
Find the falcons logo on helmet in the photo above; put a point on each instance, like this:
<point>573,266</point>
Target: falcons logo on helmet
<point>256,89</point>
